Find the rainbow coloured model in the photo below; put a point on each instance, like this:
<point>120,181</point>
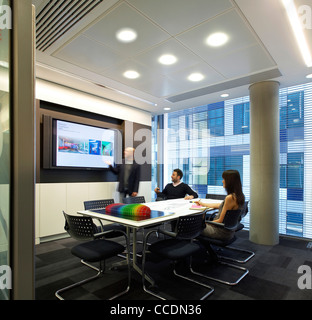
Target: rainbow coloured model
<point>128,209</point>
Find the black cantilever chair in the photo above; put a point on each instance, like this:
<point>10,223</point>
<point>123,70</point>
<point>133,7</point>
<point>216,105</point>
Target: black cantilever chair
<point>230,222</point>
<point>215,196</point>
<point>130,200</point>
<point>213,212</point>
<point>246,255</point>
<point>236,254</point>
<point>179,246</point>
<point>116,227</point>
<point>93,249</point>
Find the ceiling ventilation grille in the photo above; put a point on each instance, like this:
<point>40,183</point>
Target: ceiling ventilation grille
<point>58,17</point>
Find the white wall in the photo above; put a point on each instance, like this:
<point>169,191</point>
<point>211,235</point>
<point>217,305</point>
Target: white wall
<point>58,94</point>
<point>53,198</point>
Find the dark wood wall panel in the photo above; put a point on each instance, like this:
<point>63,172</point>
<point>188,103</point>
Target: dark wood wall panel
<point>129,130</point>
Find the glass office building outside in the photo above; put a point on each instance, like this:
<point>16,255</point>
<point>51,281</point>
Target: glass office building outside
<point>206,140</point>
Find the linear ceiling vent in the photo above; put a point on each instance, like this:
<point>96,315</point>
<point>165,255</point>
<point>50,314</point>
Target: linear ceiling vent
<point>58,17</point>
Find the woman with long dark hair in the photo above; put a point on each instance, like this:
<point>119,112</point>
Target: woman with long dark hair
<point>234,200</point>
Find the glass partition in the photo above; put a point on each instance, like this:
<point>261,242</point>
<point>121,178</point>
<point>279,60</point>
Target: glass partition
<point>5,105</point>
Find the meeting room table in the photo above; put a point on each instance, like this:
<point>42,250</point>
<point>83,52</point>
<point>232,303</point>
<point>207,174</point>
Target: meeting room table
<point>161,212</point>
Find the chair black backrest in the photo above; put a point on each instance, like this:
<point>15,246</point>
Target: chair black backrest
<point>215,196</point>
<point>129,200</point>
<point>97,204</point>
<point>80,228</point>
<point>190,227</point>
<point>245,210</point>
<point>231,219</point>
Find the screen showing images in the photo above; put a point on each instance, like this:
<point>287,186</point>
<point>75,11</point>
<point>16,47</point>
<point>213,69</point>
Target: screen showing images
<point>83,146</point>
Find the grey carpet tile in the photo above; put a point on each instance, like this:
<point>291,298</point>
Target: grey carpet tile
<point>272,274</point>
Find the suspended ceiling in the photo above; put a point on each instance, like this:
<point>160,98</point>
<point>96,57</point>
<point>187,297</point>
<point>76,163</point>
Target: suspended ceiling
<point>77,47</point>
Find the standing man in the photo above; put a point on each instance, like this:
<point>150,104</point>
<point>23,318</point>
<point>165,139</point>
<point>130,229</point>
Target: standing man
<point>177,189</point>
<point>128,174</point>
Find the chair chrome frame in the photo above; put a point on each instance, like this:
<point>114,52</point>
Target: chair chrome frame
<point>100,270</point>
<point>172,235</point>
<point>240,227</point>
<point>207,242</point>
<point>250,254</point>
<point>230,283</point>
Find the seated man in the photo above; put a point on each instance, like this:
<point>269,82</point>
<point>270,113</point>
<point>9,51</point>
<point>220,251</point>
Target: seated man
<point>177,189</point>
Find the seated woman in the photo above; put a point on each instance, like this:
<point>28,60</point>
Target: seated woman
<point>234,200</point>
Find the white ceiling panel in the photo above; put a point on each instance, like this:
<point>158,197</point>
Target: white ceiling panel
<point>176,16</point>
<point>88,54</point>
<point>210,76</point>
<point>116,73</point>
<point>229,23</point>
<point>242,62</point>
<point>161,86</point>
<point>261,46</point>
<point>104,31</point>
<point>185,57</point>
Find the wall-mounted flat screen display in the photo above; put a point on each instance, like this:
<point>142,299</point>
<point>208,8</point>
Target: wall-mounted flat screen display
<point>82,146</point>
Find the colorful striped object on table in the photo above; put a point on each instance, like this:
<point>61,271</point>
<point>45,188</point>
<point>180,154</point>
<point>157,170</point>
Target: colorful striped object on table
<point>128,209</point>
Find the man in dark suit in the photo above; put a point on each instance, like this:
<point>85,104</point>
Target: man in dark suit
<point>128,174</point>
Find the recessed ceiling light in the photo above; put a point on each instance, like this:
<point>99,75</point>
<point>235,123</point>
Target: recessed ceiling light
<point>224,95</point>
<point>217,39</point>
<point>126,35</point>
<point>195,77</point>
<point>167,59</point>
<point>167,109</point>
<point>309,76</point>
<point>130,74</point>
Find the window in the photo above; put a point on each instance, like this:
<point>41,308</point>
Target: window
<point>292,117</point>
<point>241,118</point>
<point>222,163</point>
<point>295,170</point>
<point>215,172</point>
<point>203,159</point>
<point>294,224</point>
<point>216,119</point>
<point>295,110</point>
<point>157,153</point>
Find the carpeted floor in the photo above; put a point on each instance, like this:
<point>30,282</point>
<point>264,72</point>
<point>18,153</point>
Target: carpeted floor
<point>273,274</point>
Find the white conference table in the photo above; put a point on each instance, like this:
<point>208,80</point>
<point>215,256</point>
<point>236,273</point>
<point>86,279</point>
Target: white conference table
<point>162,211</point>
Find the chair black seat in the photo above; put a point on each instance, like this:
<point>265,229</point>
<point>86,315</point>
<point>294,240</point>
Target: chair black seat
<point>115,232</point>
<point>221,243</point>
<point>174,249</point>
<point>89,251</point>
<point>97,250</point>
<point>230,222</point>
<point>179,246</point>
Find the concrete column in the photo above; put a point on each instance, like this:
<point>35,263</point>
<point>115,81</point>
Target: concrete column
<point>264,163</point>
